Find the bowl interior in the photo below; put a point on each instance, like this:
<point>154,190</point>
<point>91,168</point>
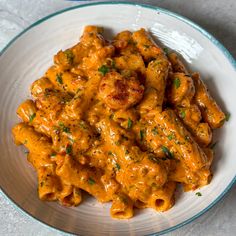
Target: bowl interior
<point>31,54</point>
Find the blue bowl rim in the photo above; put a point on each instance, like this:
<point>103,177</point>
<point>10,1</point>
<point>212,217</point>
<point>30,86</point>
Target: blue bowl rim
<point>162,10</point>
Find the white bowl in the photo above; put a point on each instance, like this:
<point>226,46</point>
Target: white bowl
<point>26,58</point>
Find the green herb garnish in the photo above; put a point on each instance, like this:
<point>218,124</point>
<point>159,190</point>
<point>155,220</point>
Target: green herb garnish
<point>103,69</point>
<point>66,129</point>
<point>83,125</point>
<point>146,46</point>
<point>170,137</point>
<point>117,166</point>
<point>227,116</point>
<point>182,114</point>
<point>59,78</point>
<point>154,131</point>
<point>141,134</point>
<point>91,181</point>
<point>32,117</point>
<point>167,152</point>
<point>68,149</point>
<point>113,64</point>
<point>111,116</point>
<point>130,123</point>
<point>69,56</point>
<point>153,159</point>
<point>63,127</point>
<point>166,50</point>
<point>110,153</point>
<point>61,124</point>
<point>117,143</point>
<point>176,82</point>
<point>213,145</point>
<point>198,194</point>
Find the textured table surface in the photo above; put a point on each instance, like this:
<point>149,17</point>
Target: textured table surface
<point>216,16</point>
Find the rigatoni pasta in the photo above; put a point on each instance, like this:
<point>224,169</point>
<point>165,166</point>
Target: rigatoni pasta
<point>121,120</point>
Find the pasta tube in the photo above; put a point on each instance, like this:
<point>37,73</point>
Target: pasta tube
<point>82,177</point>
<point>35,142</point>
<point>211,112</point>
<point>189,150</point>
<point>156,74</point>
<point>122,206</point>
<point>27,111</point>
<point>176,63</point>
<point>163,199</point>
<point>180,89</point>
<point>69,195</point>
<point>147,47</point>
<point>48,183</point>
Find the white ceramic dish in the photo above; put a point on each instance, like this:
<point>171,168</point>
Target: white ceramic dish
<point>27,57</point>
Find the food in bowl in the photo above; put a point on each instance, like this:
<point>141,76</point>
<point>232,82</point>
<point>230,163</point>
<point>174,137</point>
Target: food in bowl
<point>122,120</point>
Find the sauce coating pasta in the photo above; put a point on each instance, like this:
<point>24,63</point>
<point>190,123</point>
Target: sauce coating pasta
<point>121,120</point>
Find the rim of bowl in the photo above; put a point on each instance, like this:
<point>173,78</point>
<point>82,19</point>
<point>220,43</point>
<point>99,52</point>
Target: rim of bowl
<point>162,10</point>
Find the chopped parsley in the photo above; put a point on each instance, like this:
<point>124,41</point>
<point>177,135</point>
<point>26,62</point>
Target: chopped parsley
<point>31,117</point>
<point>141,134</point>
<point>213,145</point>
<point>154,131</point>
<point>170,137</point>
<point>113,64</point>
<point>117,166</point>
<point>61,124</point>
<point>117,143</point>
<point>198,194</point>
<point>110,153</point>
<point>82,125</point>
<point>68,149</point>
<point>103,69</point>
<point>69,56</point>
<point>227,116</point>
<point>66,129</point>
<point>123,199</point>
<point>111,116</point>
<point>182,114</point>
<point>53,154</point>
<point>153,159</point>
<point>91,181</point>
<point>59,78</point>
<point>126,152</point>
<point>146,46</point>
<point>176,82</point>
<point>130,123</point>
<point>63,127</point>
<point>166,50</point>
<point>167,152</point>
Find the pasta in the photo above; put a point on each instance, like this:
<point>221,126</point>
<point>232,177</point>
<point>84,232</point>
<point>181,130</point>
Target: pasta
<point>122,120</point>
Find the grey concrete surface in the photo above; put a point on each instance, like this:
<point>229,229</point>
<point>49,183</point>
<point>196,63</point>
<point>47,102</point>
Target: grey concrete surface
<point>216,16</point>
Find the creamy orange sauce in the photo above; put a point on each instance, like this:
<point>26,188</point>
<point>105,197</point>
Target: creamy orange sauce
<point>120,120</point>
